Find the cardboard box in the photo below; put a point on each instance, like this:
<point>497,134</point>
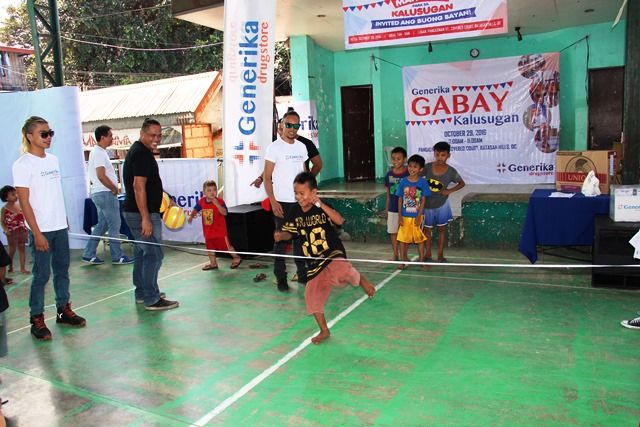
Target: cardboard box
<point>572,168</point>
<point>625,203</point>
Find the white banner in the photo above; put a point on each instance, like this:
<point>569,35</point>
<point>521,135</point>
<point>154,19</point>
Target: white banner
<point>501,116</point>
<point>60,107</point>
<point>249,39</point>
<point>308,118</point>
<point>394,22</point>
<point>183,179</point>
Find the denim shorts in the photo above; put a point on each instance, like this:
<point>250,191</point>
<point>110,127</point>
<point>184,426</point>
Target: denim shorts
<point>392,222</point>
<point>438,217</point>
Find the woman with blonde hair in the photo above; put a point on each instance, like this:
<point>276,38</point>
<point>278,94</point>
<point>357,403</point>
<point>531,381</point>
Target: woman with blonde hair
<point>38,182</point>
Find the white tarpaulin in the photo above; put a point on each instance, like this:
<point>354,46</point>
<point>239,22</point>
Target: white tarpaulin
<point>501,116</point>
<point>395,22</point>
<point>249,39</point>
<point>59,106</point>
<point>183,179</point>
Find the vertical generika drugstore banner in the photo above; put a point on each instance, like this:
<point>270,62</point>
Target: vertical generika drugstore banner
<point>393,22</point>
<point>501,116</point>
<point>249,39</point>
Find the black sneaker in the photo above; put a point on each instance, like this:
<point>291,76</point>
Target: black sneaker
<point>163,304</point>
<point>38,328</point>
<point>283,286</point>
<point>66,316</point>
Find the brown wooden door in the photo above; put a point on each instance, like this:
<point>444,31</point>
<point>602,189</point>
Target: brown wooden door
<point>357,133</point>
<point>606,91</point>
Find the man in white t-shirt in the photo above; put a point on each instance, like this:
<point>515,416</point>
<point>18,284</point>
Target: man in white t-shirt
<point>284,159</point>
<point>38,182</point>
<point>104,193</point>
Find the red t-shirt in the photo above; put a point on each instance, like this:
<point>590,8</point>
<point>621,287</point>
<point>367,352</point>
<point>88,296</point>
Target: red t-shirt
<point>214,224</point>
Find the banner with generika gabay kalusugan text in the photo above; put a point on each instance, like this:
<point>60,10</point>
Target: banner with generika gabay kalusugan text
<point>500,116</point>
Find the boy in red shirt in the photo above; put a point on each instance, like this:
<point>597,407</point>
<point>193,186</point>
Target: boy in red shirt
<point>214,226</point>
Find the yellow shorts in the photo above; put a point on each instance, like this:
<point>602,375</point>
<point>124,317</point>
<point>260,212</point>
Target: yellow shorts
<point>410,232</point>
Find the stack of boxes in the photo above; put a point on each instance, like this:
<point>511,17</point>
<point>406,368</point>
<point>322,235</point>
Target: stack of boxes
<point>572,168</point>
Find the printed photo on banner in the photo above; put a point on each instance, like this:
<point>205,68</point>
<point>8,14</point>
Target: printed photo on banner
<point>501,116</point>
<point>397,22</point>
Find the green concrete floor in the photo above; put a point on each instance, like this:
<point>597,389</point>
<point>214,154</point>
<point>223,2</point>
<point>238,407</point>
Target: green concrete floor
<point>450,346</point>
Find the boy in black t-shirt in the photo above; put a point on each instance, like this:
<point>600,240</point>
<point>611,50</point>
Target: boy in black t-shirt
<point>313,222</point>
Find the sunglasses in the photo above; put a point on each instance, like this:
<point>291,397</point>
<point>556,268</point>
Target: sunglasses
<point>46,133</point>
<point>292,125</point>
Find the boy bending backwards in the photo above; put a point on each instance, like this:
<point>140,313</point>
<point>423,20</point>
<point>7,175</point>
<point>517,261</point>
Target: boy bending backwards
<point>313,221</point>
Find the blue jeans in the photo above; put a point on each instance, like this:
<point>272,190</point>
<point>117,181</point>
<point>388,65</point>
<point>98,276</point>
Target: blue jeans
<point>108,220</point>
<point>56,258</point>
<point>147,258</point>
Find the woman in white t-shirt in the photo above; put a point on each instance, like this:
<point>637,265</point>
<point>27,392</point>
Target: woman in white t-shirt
<point>38,182</point>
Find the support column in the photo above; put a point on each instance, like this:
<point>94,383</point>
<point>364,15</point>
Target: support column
<point>631,118</point>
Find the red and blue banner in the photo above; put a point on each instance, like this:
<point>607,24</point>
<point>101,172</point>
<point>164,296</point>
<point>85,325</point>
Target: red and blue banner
<point>396,22</point>
<point>500,116</point>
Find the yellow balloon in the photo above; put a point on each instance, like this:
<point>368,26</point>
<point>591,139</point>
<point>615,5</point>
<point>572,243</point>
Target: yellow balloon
<point>174,218</point>
<point>166,202</point>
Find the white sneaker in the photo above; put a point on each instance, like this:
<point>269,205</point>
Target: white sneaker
<point>631,324</point>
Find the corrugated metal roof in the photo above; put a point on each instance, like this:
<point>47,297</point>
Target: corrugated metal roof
<point>149,99</point>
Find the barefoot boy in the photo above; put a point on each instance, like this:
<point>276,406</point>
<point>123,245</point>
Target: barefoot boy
<point>313,221</point>
<point>411,193</point>
<point>437,210</point>
<point>391,181</point>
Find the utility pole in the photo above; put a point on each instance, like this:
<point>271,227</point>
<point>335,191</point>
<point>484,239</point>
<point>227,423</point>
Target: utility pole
<point>48,56</point>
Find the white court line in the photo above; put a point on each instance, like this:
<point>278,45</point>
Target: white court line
<point>270,370</point>
<point>110,297</point>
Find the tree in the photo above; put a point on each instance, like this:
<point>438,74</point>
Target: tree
<point>94,33</point>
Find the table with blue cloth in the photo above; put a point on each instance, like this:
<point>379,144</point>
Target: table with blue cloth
<point>91,218</point>
<point>560,221</point>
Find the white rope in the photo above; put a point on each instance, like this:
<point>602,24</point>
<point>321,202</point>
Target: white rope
<point>374,261</point>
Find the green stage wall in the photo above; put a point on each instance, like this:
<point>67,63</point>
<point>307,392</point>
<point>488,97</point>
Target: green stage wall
<point>318,74</point>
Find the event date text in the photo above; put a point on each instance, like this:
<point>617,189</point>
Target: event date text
<point>464,132</point>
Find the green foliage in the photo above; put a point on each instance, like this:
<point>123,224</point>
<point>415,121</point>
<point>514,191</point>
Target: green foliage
<point>15,31</point>
<point>141,24</point>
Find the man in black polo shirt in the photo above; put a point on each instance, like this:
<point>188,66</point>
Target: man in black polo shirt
<point>141,208</point>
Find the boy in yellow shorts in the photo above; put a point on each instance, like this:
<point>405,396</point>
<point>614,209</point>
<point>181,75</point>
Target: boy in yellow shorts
<point>411,193</point>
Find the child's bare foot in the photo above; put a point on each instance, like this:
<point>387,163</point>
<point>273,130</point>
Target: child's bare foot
<point>323,335</point>
<point>394,258</point>
<point>367,287</point>
<point>24,271</point>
